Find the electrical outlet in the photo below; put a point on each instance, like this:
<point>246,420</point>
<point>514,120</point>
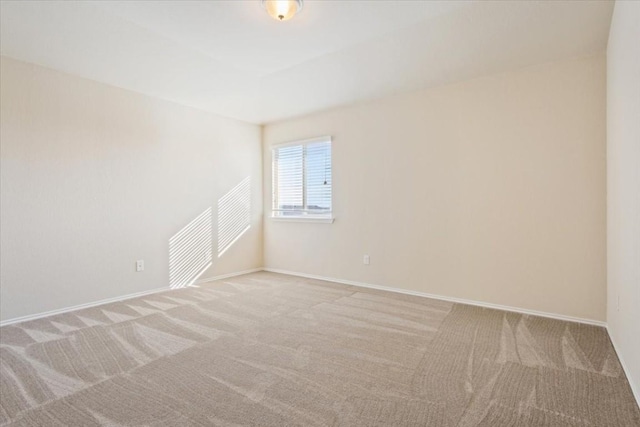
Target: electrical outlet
<point>140,265</point>
<point>366,260</point>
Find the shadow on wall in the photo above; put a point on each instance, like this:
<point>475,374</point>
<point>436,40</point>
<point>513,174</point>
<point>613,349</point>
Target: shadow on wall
<point>234,215</point>
<point>190,251</point>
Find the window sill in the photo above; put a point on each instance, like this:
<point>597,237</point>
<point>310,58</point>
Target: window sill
<point>321,220</point>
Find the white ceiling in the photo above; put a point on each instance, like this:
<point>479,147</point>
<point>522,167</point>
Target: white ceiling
<point>231,58</point>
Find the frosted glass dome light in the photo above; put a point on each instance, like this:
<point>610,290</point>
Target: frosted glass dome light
<point>282,10</point>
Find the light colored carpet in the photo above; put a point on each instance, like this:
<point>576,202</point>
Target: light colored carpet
<point>273,350</point>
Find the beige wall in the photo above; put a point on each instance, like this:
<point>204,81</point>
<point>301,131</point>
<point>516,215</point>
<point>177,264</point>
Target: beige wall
<point>94,178</point>
<point>623,186</point>
<point>490,190</point>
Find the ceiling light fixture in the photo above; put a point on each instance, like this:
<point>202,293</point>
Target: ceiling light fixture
<point>282,10</point>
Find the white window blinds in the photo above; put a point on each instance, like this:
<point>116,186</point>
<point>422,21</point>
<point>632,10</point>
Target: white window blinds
<point>302,179</point>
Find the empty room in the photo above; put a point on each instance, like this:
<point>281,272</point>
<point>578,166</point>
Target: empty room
<point>320,213</point>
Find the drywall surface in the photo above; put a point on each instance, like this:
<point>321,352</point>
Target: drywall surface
<point>490,190</point>
<point>623,186</point>
<point>94,178</point>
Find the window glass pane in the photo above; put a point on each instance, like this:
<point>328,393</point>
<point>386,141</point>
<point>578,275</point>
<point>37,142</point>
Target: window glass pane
<point>289,178</point>
<point>318,176</point>
<point>302,179</point>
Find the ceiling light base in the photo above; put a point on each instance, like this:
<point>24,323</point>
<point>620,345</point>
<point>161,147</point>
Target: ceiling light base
<point>282,10</point>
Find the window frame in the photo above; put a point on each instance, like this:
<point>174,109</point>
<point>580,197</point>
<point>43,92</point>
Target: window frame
<point>307,217</point>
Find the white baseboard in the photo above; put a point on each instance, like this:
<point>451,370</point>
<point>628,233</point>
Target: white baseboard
<point>115,299</point>
<point>634,387</point>
<point>225,276</point>
<point>444,298</point>
<point>311,276</point>
<point>80,306</point>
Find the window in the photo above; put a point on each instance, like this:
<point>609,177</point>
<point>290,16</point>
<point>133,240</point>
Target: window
<point>301,178</point>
